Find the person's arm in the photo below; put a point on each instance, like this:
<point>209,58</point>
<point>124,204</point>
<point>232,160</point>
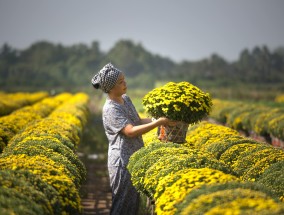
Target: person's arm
<point>134,131</point>
<point>145,121</point>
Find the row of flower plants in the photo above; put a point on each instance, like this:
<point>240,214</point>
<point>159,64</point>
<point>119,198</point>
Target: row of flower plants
<point>259,121</point>
<point>10,102</point>
<point>40,172</point>
<point>216,171</point>
<point>13,123</point>
<point>279,98</point>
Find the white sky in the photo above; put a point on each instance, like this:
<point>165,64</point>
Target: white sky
<point>178,29</point>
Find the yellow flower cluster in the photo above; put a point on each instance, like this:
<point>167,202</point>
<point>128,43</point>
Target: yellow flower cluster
<point>214,154</point>
<point>46,149</point>
<point>10,102</point>
<point>230,198</point>
<point>247,158</point>
<point>177,185</point>
<point>251,164</point>
<point>279,98</point>
<point>257,119</point>
<point>178,101</point>
<point>19,119</point>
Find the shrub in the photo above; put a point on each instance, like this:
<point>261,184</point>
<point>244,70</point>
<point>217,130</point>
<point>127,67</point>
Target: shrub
<point>138,171</point>
<point>250,158</point>
<point>50,172</point>
<point>35,199</point>
<point>44,152</point>
<point>230,198</point>
<point>272,178</point>
<point>205,133</point>
<point>231,155</point>
<point>173,188</point>
<point>53,144</point>
<point>174,163</point>
<point>219,147</point>
<point>145,150</point>
<point>264,163</point>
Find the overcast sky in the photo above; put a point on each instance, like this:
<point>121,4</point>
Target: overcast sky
<point>178,29</point>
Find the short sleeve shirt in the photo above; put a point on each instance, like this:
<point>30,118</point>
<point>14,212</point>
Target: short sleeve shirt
<point>115,117</point>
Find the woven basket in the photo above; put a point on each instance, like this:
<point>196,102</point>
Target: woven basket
<point>176,134</point>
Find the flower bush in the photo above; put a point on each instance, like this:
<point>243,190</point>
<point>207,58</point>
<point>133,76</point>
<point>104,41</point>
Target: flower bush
<point>279,98</point>
<point>168,165</point>
<point>10,102</point>
<point>276,126</point>
<point>264,162</point>
<point>272,178</point>
<point>46,150</point>
<point>257,119</point>
<point>219,147</point>
<point>213,155</point>
<point>173,188</point>
<point>146,150</point>
<point>178,101</point>
<point>14,202</point>
<point>53,173</point>
<point>50,143</point>
<point>138,171</point>
<point>247,160</point>
<point>231,155</point>
<point>204,133</point>
<point>12,124</point>
<point>10,181</point>
<point>230,198</point>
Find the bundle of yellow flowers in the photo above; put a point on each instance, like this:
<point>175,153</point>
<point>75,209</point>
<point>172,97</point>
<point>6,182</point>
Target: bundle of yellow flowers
<point>181,102</point>
<point>178,101</point>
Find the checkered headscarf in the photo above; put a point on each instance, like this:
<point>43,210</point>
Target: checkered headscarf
<point>106,78</point>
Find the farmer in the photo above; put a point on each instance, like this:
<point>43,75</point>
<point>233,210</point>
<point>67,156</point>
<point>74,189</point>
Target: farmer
<point>124,129</point>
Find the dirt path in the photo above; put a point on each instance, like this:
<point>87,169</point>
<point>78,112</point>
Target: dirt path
<point>95,192</point>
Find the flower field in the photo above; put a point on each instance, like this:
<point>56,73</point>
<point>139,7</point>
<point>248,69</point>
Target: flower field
<point>259,121</point>
<point>217,171</point>
<point>13,101</point>
<point>40,172</point>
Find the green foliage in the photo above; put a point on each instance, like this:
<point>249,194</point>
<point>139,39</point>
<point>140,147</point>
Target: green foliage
<point>273,179</point>
<point>17,187</point>
<point>142,164</point>
<point>48,65</point>
<point>146,150</point>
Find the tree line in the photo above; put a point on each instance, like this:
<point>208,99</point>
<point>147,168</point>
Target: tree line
<point>45,65</point>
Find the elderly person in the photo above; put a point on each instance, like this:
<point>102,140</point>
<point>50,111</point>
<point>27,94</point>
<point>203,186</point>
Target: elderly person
<point>124,129</point>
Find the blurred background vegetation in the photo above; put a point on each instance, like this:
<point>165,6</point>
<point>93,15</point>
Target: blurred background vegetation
<point>257,74</point>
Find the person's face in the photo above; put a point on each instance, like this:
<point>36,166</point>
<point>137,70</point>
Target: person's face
<point>120,87</point>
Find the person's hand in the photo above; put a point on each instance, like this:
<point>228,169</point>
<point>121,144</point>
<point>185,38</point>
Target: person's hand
<point>166,121</point>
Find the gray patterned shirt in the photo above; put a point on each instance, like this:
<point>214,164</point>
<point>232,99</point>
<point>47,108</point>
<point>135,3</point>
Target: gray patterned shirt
<point>115,117</point>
